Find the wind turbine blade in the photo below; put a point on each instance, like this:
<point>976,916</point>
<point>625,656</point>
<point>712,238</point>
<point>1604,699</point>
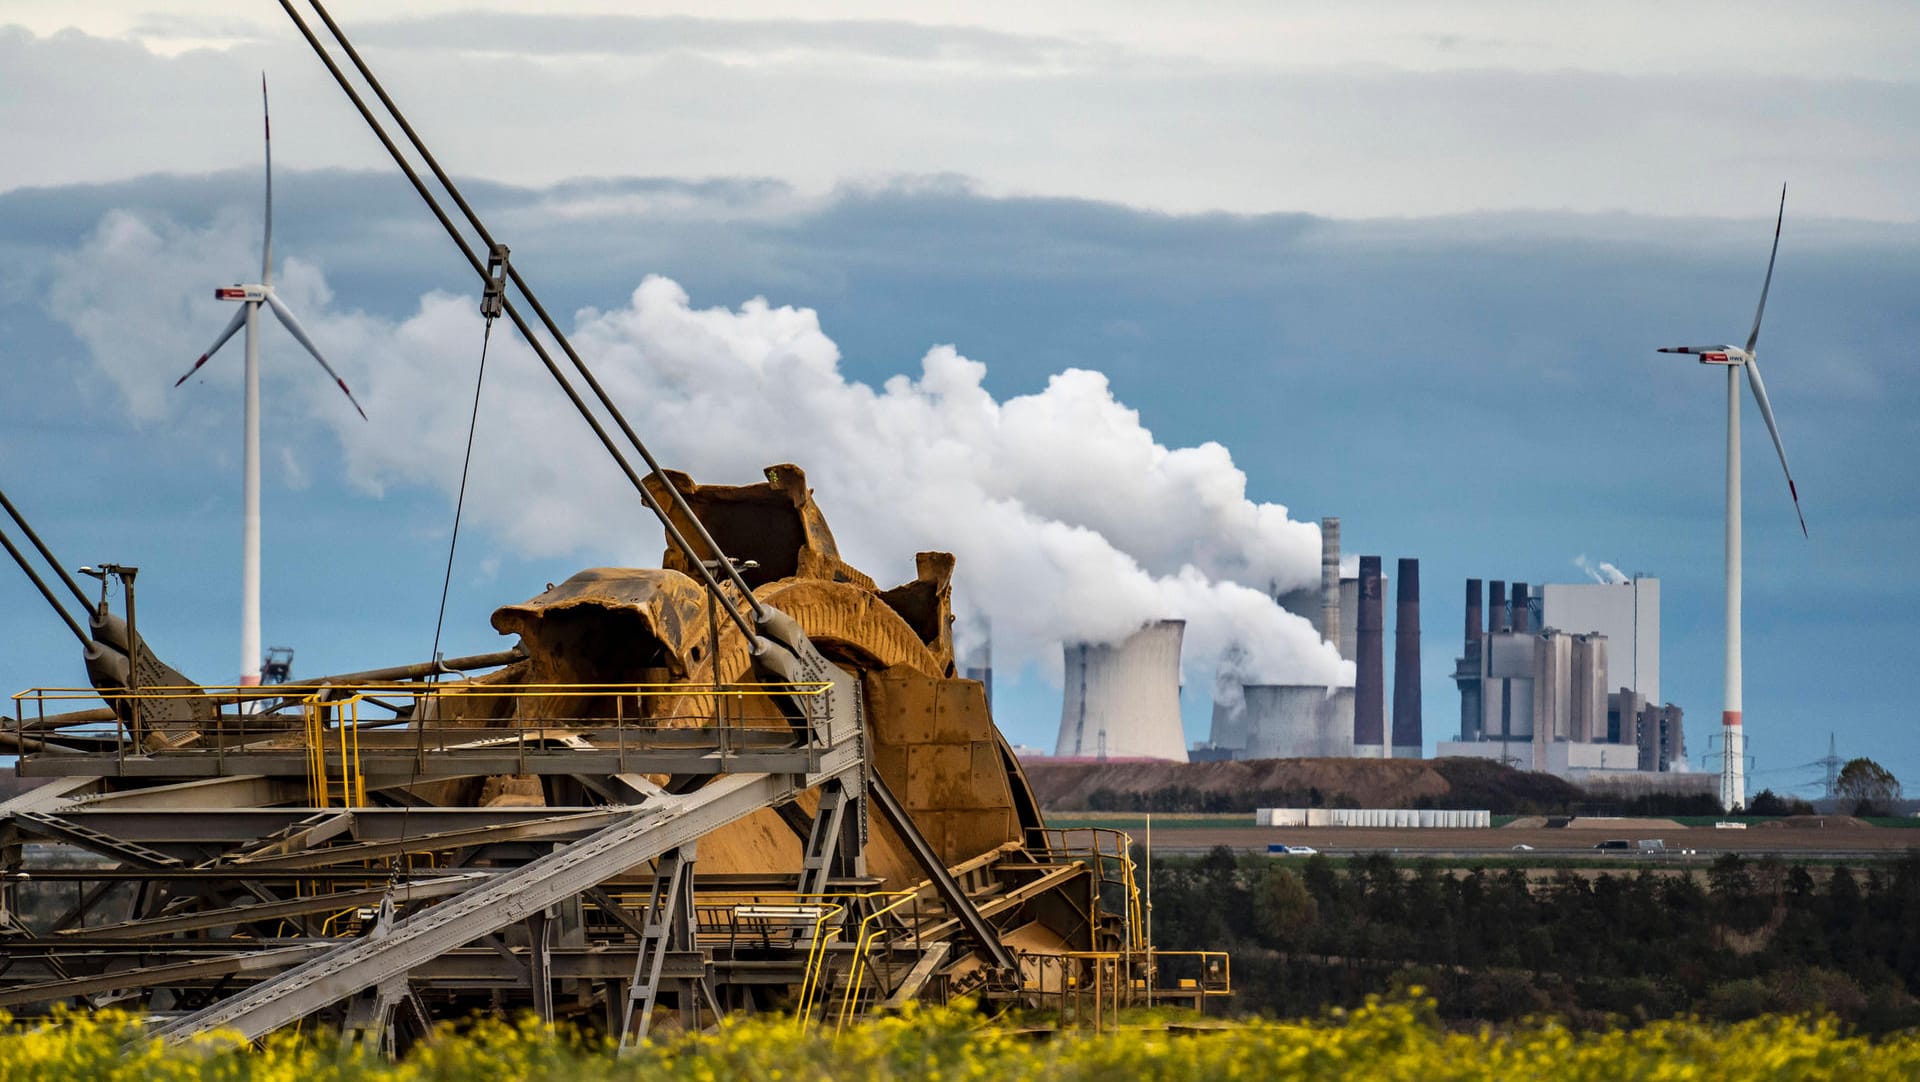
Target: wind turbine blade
<point>1753,336</point>
<point>239,318</point>
<point>300,335</point>
<point>266,128</point>
<point>1766,414</point>
<point>1691,349</point>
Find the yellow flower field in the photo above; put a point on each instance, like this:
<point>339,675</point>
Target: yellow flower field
<point>1385,1040</point>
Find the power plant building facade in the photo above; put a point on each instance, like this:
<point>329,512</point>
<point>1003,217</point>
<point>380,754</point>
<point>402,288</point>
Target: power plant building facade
<point>1538,684</point>
<point>1122,701</point>
<point>1627,613</point>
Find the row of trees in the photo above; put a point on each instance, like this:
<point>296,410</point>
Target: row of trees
<point>1744,938</point>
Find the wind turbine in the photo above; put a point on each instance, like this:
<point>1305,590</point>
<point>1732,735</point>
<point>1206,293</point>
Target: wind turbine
<point>1733,772</point>
<point>251,297</point>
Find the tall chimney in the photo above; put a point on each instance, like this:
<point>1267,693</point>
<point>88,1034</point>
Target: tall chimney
<point>1369,676</point>
<point>1330,581</point>
<point>1475,629</point>
<point>1497,608</point>
<point>1407,738</point>
<point>1466,670</point>
<point>1520,614</point>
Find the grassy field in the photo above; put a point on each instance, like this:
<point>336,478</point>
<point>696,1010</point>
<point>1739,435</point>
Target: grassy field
<point>1396,1040</point>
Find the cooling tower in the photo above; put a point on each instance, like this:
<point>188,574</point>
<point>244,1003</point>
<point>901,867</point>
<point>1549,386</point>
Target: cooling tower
<point>1330,580</point>
<point>1229,732</point>
<point>1294,721</point>
<point>1369,674</point>
<point>1407,737</point>
<point>1123,701</point>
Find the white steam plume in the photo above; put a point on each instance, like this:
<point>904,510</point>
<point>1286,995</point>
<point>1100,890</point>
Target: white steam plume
<point>1069,520</point>
<point>1604,573</point>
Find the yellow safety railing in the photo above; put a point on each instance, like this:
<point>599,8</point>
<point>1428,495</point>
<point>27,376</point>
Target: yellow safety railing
<point>824,931</point>
<point>353,784</point>
<point>863,948</point>
<point>426,719</point>
<point>1106,988</point>
<point>1216,971</point>
<point>1109,853</point>
<point>816,963</point>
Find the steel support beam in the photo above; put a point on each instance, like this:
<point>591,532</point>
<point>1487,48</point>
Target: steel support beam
<point>944,884</point>
<point>669,927</point>
<point>632,839</point>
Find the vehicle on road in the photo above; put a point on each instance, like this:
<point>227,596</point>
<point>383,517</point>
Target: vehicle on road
<point>1278,850</point>
<point>1523,847</point>
<point>1614,843</point>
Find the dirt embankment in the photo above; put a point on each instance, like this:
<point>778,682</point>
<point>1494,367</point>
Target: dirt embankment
<point>1374,784</point>
<point>1242,786</point>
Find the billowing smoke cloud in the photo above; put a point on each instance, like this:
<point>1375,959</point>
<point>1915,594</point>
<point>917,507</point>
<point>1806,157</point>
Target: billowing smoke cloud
<point>1604,573</point>
<point>1069,520</point>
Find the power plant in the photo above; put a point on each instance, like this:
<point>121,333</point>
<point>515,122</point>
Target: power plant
<point>1540,688</point>
<point>1122,701</point>
<point>1266,721</point>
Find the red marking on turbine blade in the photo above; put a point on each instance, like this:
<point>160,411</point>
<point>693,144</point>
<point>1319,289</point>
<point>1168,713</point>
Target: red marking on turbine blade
<point>1795,491</point>
<point>350,398</point>
<point>191,371</point>
<point>1730,717</point>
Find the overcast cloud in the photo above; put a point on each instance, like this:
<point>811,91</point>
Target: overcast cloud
<point>1370,110</point>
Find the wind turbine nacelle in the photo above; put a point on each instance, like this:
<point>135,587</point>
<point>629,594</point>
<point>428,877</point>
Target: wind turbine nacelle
<point>1729,355</point>
<point>254,294</point>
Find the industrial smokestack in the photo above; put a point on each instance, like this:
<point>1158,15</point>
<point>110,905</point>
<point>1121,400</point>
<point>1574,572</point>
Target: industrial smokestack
<point>1407,737</point>
<point>1123,702</point>
<point>1330,580</point>
<point>1497,608</point>
<point>1466,671</point>
<point>1474,628</point>
<point>1520,608</point>
<point>979,666</point>
<point>1369,676</point>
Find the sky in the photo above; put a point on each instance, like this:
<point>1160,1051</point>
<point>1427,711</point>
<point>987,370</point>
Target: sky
<point>1111,299</point>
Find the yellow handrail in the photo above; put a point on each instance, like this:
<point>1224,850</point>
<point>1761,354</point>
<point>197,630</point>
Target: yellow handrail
<point>816,959</point>
<point>863,946</point>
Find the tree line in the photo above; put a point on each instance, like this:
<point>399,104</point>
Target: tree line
<point>1746,937</point>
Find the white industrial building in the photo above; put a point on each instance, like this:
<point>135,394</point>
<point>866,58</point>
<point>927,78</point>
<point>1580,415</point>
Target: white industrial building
<point>1627,613</point>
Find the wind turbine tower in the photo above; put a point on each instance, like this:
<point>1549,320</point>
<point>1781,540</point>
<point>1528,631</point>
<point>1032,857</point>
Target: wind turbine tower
<point>1733,771</point>
<point>251,296</point>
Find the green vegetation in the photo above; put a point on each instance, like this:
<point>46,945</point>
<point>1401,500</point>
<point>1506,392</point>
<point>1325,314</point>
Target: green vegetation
<point>1397,1038</point>
<point>1868,786</point>
<point>1741,939</point>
